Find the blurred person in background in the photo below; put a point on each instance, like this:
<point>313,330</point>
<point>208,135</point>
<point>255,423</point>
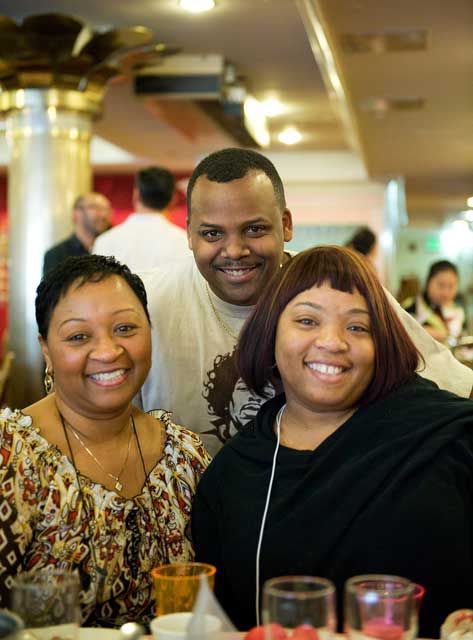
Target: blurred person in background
<point>147,238</point>
<point>91,216</point>
<point>435,307</point>
<point>409,287</point>
<point>89,483</point>
<point>364,241</point>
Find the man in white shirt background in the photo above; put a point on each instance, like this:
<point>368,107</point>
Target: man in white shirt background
<point>147,238</point>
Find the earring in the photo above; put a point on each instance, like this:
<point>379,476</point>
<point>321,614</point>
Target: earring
<point>48,381</point>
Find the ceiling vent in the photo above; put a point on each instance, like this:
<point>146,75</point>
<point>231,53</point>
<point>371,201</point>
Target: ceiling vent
<point>385,41</point>
<point>187,76</point>
<point>381,106</point>
<point>208,79</point>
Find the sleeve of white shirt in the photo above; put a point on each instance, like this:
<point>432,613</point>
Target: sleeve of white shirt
<point>440,365</point>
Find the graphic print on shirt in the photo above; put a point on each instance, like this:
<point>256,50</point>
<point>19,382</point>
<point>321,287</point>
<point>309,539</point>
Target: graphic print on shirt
<point>230,404</point>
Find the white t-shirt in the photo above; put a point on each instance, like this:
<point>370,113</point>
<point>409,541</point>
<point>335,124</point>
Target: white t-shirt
<point>193,371</point>
<point>144,241</point>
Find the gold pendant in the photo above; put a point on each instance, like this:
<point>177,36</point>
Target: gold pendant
<point>118,485</point>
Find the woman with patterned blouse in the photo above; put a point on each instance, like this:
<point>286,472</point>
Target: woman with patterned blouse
<point>88,482</point>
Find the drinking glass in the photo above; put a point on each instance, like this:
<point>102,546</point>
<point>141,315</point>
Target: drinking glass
<point>418,595</point>
<point>301,605</point>
<point>380,606</point>
<point>47,601</point>
<point>176,585</point>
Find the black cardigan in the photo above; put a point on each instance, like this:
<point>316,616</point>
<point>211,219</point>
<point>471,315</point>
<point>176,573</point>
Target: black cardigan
<point>390,491</point>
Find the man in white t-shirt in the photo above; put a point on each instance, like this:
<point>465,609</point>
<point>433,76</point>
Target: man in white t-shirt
<point>238,223</point>
<point>147,239</point>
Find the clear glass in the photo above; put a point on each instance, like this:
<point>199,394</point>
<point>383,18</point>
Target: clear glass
<point>48,603</point>
<point>176,585</point>
<point>380,606</point>
<point>303,605</point>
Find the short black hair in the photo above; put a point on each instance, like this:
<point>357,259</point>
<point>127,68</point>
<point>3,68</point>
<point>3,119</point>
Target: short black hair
<point>232,164</point>
<point>362,241</point>
<point>438,267</point>
<point>155,186</point>
<point>89,268</point>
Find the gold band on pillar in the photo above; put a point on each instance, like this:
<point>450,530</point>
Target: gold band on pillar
<point>48,381</point>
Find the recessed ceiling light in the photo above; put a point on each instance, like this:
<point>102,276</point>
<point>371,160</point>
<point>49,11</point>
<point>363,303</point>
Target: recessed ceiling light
<point>197,6</point>
<point>469,201</point>
<point>272,107</point>
<point>290,135</point>
<point>255,121</point>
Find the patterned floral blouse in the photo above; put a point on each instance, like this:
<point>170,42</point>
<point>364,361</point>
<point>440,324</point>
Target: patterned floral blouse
<point>46,520</point>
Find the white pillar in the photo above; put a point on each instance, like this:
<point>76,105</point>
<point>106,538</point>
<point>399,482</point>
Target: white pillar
<point>48,132</point>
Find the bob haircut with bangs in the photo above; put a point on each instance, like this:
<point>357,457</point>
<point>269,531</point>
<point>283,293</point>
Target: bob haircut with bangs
<point>396,357</point>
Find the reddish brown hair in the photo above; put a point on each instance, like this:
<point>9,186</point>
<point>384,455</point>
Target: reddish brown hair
<point>396,357</point>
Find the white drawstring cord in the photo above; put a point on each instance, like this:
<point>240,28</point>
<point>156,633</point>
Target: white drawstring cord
<point>266,507</point>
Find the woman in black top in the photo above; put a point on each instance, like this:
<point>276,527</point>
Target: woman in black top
<point>374,470</point>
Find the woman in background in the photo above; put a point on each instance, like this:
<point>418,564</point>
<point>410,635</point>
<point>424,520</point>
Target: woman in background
<point>435,308</point>
<point>89,483</point>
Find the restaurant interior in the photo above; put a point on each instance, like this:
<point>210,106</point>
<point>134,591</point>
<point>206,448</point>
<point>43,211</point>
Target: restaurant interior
<point>363,106</point>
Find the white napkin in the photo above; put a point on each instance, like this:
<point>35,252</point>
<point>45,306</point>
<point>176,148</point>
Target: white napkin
<point>209,619</point>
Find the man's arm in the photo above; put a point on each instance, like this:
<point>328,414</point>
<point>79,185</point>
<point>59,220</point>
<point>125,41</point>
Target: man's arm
<point>440,365</point>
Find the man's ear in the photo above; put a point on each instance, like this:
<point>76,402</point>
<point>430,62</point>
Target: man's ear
<point>188,229</point>
<point>287,225</point>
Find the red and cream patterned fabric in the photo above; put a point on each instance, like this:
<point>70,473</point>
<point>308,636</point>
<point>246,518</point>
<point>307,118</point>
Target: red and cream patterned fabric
<point>46,520</point>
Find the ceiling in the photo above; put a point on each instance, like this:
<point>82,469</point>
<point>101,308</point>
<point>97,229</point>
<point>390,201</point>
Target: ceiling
<point>432,145</point>
<point>339,93</point>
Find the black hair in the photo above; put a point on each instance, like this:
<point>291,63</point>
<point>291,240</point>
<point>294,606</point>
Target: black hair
<point>82,269</point>
<point>440,265</point>
<point>362,241</point>
<point>232,164</point>
<point>155,187</point>
<point>435,268</point>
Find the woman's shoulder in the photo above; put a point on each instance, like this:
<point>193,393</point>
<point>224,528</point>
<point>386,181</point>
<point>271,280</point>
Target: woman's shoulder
<point>17,426</point>
<point>425,394</point>
<point>14,417</point>
<point>419,408</point>
<point>180,442</point>
<point>22,447</point>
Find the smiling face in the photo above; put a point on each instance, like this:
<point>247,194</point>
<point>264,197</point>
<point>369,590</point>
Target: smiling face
<point>237,233</point>
<point>98,346</point>
<point>324,349</point>
<point>442,288</point>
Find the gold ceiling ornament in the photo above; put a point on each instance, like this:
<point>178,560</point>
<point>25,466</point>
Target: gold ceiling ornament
<point>58,51</point>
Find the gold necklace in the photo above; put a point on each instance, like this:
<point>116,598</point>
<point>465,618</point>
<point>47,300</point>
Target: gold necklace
<point>220,320</point>
<point>118,485</point>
